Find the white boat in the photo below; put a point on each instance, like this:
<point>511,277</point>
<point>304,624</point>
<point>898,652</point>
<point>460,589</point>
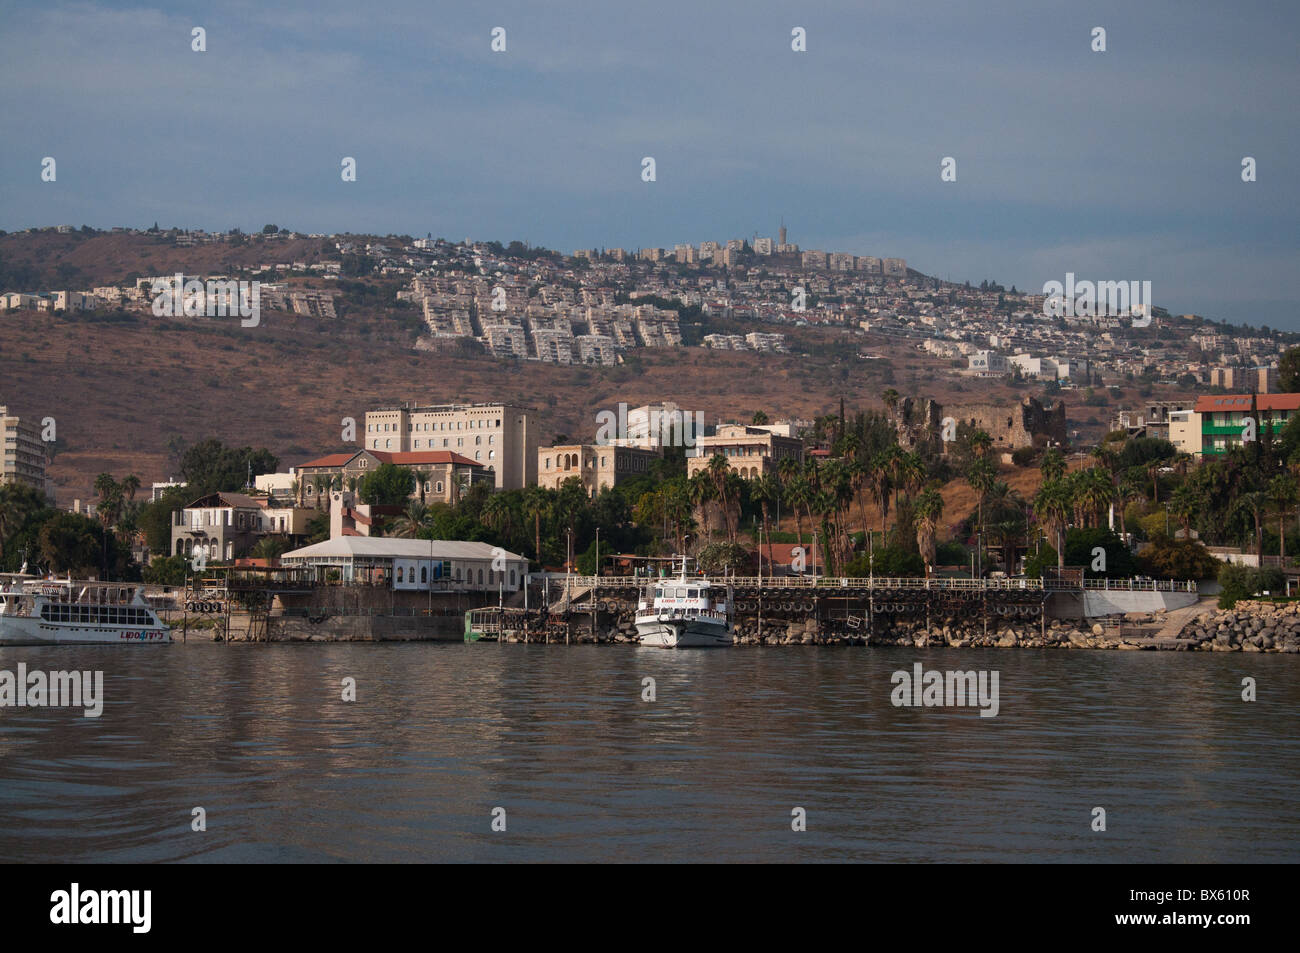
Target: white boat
<point>685,611</point>
<point>63,611</point>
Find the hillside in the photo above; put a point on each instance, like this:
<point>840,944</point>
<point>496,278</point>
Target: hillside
<point>127,389</point>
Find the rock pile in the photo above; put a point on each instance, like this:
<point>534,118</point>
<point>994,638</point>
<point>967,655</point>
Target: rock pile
<point>1248,627</point>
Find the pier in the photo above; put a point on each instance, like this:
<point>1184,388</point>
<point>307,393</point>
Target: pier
<point>849,608</point>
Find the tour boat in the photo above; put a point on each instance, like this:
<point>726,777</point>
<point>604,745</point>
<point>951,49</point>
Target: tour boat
<point>62,611</point>
<point>685,611</point>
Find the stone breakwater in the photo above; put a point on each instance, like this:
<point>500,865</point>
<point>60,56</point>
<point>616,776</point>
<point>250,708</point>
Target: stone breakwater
<point>1248,627</point>
<point>1251,627</point>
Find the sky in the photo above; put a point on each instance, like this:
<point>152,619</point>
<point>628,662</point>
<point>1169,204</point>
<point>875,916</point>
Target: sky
<point>1117,165</point>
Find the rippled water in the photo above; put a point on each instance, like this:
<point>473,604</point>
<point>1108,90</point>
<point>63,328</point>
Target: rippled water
<point>440,734</point>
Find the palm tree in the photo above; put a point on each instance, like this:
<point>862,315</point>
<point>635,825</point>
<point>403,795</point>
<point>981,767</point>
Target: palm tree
<point>1256,504</point>
<point>767,490</point>
<point>110,499</point>
<point>1130,488</point>
<point>415,518</point>
<point>702,492</point>
<point>536,504</point>
<point>1283,492</point>
<point>130,484</point>
<point>980,476</point>
<point>718,469</point>
<point>1052,465</point>
<point>927,510</point>
<point>1052,504</point>
<point>981,443</point>
<point>801,495</point>
<point>890,397</point>
<point>421,477</point>
<point>1005,513</point>
<point>1095,492</point>
<point>881,486</point>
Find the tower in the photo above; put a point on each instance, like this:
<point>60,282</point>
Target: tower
<point>782,231</point>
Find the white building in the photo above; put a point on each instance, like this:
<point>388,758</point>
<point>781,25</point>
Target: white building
<point>416,565</point>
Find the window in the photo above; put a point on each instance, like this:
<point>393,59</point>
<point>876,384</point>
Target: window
<point>424,574</point>
<point>399,574</point>
<point>480,577</point>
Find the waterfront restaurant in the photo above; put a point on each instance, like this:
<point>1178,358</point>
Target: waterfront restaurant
<point>412,565</point>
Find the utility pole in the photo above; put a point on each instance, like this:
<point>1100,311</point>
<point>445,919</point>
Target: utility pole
<point>595,583</point>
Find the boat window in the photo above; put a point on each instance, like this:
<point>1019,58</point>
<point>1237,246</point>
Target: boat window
<point>692,594</point>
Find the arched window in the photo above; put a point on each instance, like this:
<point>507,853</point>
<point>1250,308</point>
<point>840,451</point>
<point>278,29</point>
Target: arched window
<point>424,574</point>
<point>439,486</point>
<point>400,571</point>
<point>480,577</point>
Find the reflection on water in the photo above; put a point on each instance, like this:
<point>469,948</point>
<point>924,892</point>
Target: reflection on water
<point>260,737</point>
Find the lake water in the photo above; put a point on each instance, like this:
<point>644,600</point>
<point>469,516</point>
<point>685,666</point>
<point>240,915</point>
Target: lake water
<point>441,734</point>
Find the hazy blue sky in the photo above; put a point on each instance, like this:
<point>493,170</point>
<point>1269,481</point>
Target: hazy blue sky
<point>1117,165</point>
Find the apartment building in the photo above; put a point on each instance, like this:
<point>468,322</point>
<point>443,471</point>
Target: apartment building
<point>25,459</point>
<point>506,340</point>
<point>500,437</point>
<point>595,349</point>
<point>598,467</point>
<point>1223,418</point>
<point>1254,380</point>
<point>750,451</point>
<point>1185,431</point>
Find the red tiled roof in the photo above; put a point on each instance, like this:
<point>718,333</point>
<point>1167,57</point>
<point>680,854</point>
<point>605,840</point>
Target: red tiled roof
<point>1209,403</point>
<point>424,456</point>
<point>333,460</point>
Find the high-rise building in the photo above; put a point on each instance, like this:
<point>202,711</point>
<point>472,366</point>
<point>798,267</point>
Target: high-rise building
<point>499,436</point>
<point>25,458</point>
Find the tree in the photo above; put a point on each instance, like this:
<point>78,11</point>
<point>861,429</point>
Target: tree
<point>1052,505</point>
<point>1052,465</point>
<point>1288,371</point>
<point>927,510</point>
<point>415,518</point>
<point>70,542</point>
<point>536,505</point>
<point>1282,492</point>
<point>22,511</point>
<point>388,485</point>
<point>212,467</point>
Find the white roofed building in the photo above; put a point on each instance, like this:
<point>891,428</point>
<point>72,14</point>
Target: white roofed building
<point>442,565</point>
